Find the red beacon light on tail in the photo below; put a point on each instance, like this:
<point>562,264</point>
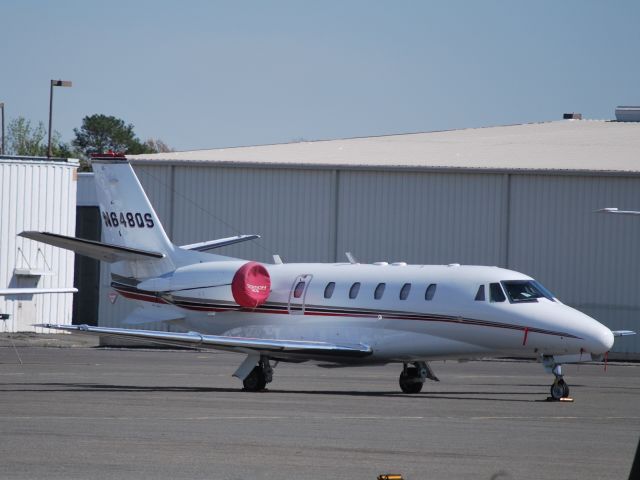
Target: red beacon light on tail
<point>251,285</point>
<point>108,154</point>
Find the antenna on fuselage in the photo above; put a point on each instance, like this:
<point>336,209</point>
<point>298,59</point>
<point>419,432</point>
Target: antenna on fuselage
<point>351,258</point>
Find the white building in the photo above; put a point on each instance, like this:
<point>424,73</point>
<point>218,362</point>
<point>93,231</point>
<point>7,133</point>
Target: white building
<point>35,194</point>
<point>521,197</point>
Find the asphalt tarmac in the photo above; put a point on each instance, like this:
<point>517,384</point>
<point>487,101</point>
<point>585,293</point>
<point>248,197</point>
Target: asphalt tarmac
<point>85,413</point>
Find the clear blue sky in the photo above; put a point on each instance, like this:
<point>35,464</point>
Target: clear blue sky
<point>205,74</point>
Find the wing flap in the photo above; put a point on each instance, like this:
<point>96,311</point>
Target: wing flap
<point>90,248</point>
<point>220,342</point>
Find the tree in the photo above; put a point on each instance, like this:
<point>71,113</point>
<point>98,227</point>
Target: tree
<point>101,133</point>
<point>23,138</point>
<point>155,145</point>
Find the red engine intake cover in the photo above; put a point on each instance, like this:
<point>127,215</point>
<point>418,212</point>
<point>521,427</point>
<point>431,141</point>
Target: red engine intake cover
<point>251,285</point>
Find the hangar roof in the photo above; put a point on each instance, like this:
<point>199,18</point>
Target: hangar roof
<point>555,147</point>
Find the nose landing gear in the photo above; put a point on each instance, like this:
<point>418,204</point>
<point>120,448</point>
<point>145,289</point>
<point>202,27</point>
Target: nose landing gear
<point>559,388</point>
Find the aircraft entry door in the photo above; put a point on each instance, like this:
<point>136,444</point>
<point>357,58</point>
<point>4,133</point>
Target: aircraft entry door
<point>298,294</point>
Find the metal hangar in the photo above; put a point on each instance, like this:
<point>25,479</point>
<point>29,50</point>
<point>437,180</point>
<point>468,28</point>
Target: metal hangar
<point>521,197</point>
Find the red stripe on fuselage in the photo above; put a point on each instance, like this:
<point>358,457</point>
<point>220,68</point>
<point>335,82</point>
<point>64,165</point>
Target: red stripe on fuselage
<point>397,316</point>
<point>140,296</point>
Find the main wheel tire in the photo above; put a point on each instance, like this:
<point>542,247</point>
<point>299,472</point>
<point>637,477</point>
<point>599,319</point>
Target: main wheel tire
<point>565,393</point>
<point>559,389</point>
<point>255,381</point>
<point>410,381</point>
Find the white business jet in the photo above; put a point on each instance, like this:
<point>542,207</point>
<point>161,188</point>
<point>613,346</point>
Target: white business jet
<point>338,314</point>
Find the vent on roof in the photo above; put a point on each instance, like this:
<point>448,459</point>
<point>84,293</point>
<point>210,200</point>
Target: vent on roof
<point>572,116</point>
<point>627,114</point>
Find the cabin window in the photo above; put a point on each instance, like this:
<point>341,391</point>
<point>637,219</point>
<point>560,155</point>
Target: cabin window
<point>328,290</point>
<point>379,291</point>
<point>496,293</point>
<point>480,294</point>
<point>431,291</point>
<point>353,291</point>
<point>297,292</point>
<point>404,291</point>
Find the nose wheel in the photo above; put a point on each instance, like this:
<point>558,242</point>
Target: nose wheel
<point>559,388</point>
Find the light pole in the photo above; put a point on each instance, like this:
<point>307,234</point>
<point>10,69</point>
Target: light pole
<point>2,145</point>
<point>54,83</point>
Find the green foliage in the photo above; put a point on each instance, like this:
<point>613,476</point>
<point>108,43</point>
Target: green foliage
<point>26,139</point>
<point>101,133</point>
<point>98,134</point>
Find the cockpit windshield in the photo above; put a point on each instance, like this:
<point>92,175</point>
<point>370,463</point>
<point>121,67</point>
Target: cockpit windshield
<point>521,291</point>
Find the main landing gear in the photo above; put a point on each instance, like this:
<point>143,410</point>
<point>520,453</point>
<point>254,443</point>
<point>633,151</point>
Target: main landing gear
<point>413,377</point>
<point>258,378</point>
<point>559,388</point>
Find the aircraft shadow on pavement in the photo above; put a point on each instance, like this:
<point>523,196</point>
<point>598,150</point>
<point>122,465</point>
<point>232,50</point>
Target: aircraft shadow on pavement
<point>442,395</point>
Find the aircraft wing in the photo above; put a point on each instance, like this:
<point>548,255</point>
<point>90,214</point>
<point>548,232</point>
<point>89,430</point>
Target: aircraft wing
<point>34,291</point>
<point>142,315</point>
<point>618,212</point>
<point>277,348</point>
<point>622,333</point>
<point>90,248</point>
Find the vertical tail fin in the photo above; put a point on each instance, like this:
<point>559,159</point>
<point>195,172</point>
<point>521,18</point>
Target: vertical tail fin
<point>128,219</point>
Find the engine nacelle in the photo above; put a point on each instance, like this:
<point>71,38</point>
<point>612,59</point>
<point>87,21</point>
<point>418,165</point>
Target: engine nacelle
<point>246,283</point>
<point>251,285</point>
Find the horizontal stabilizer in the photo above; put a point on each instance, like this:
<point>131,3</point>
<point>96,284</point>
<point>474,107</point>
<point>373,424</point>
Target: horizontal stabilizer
<point>622,333</point>
<point>221,242</point>
<point>90,248</point>
<point>219,342</point>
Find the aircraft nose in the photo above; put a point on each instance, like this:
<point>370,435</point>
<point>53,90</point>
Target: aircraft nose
<point>600,339</point>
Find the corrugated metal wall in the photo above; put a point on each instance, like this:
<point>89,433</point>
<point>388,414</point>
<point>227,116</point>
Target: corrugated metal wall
<point>542,225</point>
<point>421,217</point>
<point>591,261</point>
<point>36,195</point>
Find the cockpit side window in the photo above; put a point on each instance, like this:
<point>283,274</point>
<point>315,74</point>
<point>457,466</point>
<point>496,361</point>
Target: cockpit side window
<point>523,291</point>
<point>480,294</point>
<point>495,293</point>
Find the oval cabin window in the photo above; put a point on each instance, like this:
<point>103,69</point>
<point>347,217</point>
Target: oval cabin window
<point>404,291</point>
<point>297,292</point>
<point>328,290</point>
